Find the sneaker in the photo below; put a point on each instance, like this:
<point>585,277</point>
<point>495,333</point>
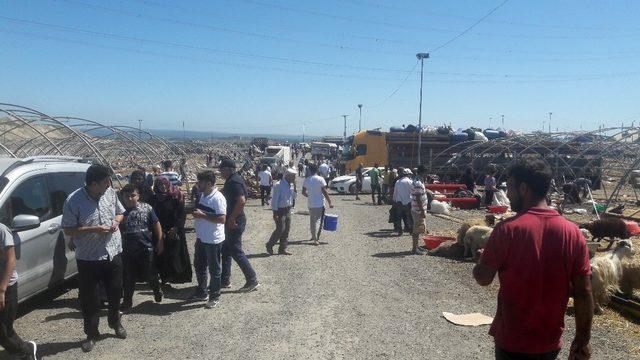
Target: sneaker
<point>198,296</point>
<point>126,306</point>
<point>250,286</point>
<point>88,345</point>
<point>32,352</point>
<point>225,285</point>
<point>211,304</point>
<point>157,296</point>
<point>121,333</point>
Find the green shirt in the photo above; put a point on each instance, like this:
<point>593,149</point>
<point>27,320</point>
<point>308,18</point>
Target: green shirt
<point>374,174</point>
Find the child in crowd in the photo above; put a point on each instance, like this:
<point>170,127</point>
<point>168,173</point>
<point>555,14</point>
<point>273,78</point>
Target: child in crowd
<point>139,229</point>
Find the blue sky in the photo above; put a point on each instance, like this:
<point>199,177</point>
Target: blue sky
<point>273,66</point>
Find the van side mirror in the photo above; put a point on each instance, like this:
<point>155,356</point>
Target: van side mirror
<point>25,222</point>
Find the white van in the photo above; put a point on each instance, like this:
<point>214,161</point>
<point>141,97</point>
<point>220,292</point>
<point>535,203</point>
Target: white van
<point>32,194</point>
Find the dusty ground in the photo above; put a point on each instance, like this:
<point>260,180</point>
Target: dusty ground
<point>360,295</point>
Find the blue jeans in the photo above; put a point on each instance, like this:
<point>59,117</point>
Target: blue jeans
<point>208,255</point>
<point>232,250</point>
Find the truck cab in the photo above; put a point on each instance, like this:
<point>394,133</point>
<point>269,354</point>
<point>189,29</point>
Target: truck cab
<point>367,147</point>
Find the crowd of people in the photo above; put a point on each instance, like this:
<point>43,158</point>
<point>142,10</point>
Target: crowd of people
<point>139,234</point>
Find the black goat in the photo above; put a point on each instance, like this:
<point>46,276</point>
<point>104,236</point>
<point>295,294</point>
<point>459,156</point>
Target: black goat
<point>608,227</point>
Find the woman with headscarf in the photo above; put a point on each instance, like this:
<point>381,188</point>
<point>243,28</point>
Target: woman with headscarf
<point>138,180</point>
<point>174,265</point>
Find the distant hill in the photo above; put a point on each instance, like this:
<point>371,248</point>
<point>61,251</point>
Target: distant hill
<point>177,134</point>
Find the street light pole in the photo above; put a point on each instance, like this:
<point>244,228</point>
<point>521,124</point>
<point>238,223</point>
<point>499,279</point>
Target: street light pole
<point>139,124</point>
<point>502,122</point>
<point>549,121</point>
<point>344,135</point>
<point>360,121</point>
<point>184,134</point>
<point>421,57</point>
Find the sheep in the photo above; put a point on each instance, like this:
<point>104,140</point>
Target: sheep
<point>475,238</point>
<point>455,249</point>
<point>607,227</point>
<point>606,272</point>
<point>462,230</point>
<point>448,249</point>
<point>630,279</point>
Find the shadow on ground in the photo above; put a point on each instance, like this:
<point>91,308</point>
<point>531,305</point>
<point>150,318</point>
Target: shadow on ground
<point>382,233</point>
<point>397,254</point>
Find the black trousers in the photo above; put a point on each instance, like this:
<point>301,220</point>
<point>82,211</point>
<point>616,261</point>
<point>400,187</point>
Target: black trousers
<point>488,197</point>
<point>506,355</point>
<point>90,274</point>
<point>376,188</point>
<point>402,214</point>
<point>9,340</point>
<point>139,265</point>
<point>265,194</point>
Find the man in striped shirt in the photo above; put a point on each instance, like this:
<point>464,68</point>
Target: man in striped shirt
<point>170,174</point>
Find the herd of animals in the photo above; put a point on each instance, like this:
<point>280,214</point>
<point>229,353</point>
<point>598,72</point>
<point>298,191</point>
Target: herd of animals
<point>616,272</point>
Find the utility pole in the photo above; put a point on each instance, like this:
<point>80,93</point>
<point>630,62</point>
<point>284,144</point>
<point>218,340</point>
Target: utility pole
<point>360,121</point>
<point>502,122</point>
<point>550,113</point>
<point>302,132</point>
<point>184,135</point>
<point>139,124</point>
<point>344,135</point>
<point>421,57</point>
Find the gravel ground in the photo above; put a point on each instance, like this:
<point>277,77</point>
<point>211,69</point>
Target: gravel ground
<point>360,295</point>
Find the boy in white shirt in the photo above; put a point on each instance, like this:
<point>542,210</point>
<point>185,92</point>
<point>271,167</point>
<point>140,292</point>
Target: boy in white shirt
<point>209,219</point>
<point>314,188</point>
<point>266,181</point>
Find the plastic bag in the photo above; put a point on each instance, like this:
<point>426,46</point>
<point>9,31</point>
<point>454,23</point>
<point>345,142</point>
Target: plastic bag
<point>500,199</point>
<point>438,207</point>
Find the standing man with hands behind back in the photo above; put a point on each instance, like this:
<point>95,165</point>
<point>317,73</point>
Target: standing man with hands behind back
<point>541,259</point>
<point>235,192</point>
<point>91,216</point>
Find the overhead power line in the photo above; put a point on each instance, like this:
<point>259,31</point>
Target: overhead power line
<point>457,36</point>
<point>494,21</point>
<point>173,20</point>
<point>422,28</point>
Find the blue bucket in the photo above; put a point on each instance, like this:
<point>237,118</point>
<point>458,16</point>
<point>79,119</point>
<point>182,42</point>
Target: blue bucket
<point>330,222</point>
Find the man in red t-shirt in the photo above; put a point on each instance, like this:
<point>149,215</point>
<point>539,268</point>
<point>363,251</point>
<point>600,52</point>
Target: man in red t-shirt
<point>541,259</point>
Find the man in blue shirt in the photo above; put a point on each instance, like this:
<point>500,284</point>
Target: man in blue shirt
<point>281,204</point>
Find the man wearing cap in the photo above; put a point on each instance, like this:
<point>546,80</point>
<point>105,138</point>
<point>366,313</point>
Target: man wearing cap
<point>281,204</point>
<point>402,200</point>
<point>235,192</point>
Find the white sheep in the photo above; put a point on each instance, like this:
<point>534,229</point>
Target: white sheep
<point>606,272</point>
<point>475,238</point>
<point>630,279</point>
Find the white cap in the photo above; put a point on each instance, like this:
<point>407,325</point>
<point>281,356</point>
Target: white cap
<point>291,172</point>
<point>407,172</point>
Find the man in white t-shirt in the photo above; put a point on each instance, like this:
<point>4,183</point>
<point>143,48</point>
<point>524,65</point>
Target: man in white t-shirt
<point>324,170</point>
<point>266,182</point>
<point>314,188</point>
<point>209,219</point>
<point>12,343</point>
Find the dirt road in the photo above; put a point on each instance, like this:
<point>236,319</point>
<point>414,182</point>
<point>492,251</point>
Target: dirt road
<point>360,295</point>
